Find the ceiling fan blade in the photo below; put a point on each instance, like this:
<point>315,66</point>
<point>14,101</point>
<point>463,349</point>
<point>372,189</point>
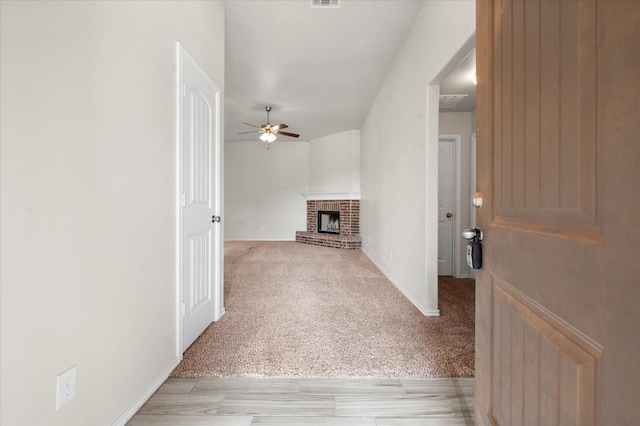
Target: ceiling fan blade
<point>293,135</point>
<point>250,125</point>
<point>252,131</point>
<point>279,126</point>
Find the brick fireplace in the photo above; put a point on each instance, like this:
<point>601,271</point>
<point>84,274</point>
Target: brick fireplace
<point>349,223</point>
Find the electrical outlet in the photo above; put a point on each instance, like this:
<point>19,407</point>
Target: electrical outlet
<point>65,387</point>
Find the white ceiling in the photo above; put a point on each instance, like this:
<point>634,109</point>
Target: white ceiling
<point>320,69</point>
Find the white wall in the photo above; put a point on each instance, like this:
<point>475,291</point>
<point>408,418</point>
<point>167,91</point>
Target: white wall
<point>88,178</point>
<point>263,190</point>
<point>460,123</point>
<point>334,163</point>
<point>398,204</point>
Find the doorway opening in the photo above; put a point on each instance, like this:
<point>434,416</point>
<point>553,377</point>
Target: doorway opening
<point>456,124</point>
<point>451,119</point>
<point>453,91</point>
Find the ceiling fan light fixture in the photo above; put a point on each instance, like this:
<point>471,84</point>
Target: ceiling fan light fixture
<point>325,4</point>
<point>268,137</point>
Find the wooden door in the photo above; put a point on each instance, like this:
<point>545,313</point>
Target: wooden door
<point>446,203</point>
<point>200,234</point>
<point>558,157</point>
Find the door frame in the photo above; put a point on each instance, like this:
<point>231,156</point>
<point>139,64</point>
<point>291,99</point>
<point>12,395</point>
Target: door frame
<point>183,56</point>
<point>472,190</point>
<point>457,194</point>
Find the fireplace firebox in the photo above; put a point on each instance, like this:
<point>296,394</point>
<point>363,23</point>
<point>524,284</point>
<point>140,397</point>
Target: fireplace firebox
<point>329,222</point>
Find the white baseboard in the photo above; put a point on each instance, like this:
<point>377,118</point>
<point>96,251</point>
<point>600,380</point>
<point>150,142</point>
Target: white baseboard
<point>133,408</point>
<point>422,309</point>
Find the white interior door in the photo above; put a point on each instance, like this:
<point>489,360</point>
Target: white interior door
<point>446,204</point>
<point>201,275</point>
<point>557,298</point>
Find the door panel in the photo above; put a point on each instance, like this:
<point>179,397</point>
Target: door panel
<point>199,271</point>
<point>557,300</point>
<point>545,139</point>
<point>200,139</point>
<point>543,368</point>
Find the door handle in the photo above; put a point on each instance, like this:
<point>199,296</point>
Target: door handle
<point>474,248</point>
<point>215,219</point>
<point>449,214</point>
<point>472,234</point>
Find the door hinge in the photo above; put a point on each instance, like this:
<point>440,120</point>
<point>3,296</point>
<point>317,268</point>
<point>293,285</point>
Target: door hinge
<point>184,308</point>
<point>184,90</point>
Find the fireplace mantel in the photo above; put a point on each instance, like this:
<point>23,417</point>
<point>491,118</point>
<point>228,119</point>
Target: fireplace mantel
<point>323,196</point>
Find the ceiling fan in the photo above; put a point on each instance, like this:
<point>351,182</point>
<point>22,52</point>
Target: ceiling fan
<point>268,131</point>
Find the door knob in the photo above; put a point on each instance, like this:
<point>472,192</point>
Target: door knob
<point>472,233</point>
<point>215,219</point>
<point>449,215</point>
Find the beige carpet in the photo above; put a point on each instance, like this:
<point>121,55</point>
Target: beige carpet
<point>297,310</point>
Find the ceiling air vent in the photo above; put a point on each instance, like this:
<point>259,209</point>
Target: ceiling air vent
<point>325,4</point>
<point>450,101</point>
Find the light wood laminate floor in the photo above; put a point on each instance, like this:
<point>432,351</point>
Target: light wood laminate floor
<point>298,401</point>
